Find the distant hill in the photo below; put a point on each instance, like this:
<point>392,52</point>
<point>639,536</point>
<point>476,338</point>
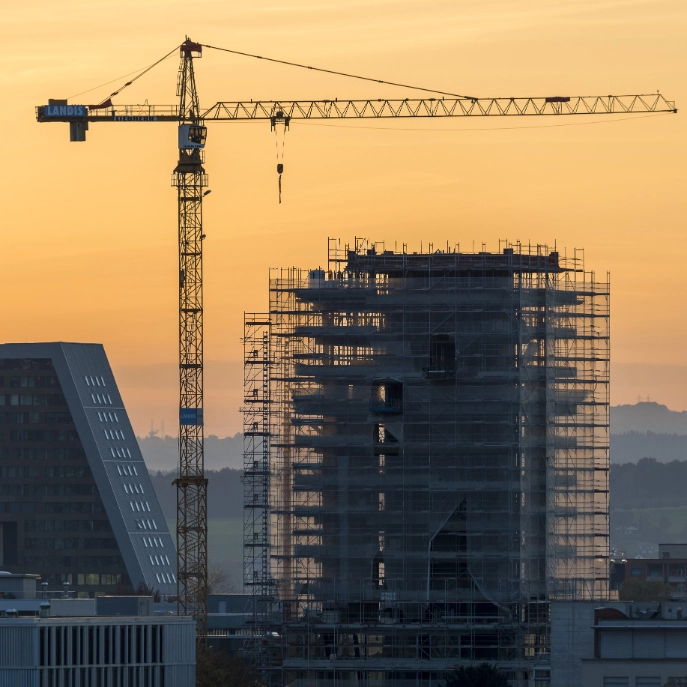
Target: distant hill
<point>642,430</point>
<point>633,446</point>
<point>648,416</point>
<point>225,493</point>
<point>648,429</point>
<point>162,453</point>
<point>649,484</point>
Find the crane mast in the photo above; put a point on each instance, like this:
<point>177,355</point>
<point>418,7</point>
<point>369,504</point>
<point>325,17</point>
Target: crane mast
<point>190,180</point>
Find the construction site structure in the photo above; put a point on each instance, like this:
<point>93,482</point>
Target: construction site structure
<point>426,463</point>
<point>191,182</point>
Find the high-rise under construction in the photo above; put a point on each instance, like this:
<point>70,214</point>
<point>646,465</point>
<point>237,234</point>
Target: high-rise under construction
<point>427,460</point>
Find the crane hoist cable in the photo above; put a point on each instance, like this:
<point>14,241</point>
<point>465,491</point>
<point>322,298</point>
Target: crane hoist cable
<point>280,125</point>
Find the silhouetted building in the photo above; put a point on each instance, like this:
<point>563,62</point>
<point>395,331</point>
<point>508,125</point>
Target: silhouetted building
<point>426,462</point>
<point>76,501</point>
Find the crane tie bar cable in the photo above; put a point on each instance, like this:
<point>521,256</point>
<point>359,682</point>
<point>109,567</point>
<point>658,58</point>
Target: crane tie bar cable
<point>128,83</point>
<point>331,71</point>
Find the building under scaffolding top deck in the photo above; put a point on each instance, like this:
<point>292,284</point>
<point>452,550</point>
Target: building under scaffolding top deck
<point>426,461</point>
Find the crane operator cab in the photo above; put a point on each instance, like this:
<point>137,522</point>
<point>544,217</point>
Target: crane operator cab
<point>192,136</point>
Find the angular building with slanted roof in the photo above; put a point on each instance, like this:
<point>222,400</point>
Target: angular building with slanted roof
<point>76,502</point>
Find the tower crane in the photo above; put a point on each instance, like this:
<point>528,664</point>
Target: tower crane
<point>191,182</point>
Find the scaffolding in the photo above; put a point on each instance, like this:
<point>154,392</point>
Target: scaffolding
<point>434,464</point>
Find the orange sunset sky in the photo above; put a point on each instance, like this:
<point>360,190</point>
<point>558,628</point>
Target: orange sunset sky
<point>89,229</point>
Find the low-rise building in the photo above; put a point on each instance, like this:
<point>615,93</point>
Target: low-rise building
<point>97,651</point>
<point>670,568</point>
<point>617,644</point>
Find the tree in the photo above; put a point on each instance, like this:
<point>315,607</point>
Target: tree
<point>482,675</point>
<point>219,669</point>
<point>676,682</point>
<point>640,590</point>
<point>220,582</point>
<point>142,590</point>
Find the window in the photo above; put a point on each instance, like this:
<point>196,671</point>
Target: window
<point>654,572</point>
<point>442,356</point>
<point>87,382</point>
<point>616,682</point>
<point>636,572</point>
<point>648,682</point>
<point>109,399</point>
<point>666,554</point>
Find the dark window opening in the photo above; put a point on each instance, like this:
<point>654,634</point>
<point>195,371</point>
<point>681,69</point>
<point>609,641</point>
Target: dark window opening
<point>387,397</point>
<point>442,357</point>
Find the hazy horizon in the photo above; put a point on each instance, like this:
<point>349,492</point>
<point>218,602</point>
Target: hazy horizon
<point>92,249</point>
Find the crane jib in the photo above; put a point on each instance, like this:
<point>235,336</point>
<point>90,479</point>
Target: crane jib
<point>60,111</point>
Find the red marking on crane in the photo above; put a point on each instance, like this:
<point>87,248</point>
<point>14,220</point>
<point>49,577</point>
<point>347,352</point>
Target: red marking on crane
<point>105,103</point>
<point>190,46</point>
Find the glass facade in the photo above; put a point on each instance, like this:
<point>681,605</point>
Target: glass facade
<point>52,518</point>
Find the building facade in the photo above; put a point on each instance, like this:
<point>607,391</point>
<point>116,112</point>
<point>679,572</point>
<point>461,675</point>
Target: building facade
<point>76,501</point>
<point>617,644</point>
<point>670,568</point>
<point>426,462</point>
<point>98,652</point>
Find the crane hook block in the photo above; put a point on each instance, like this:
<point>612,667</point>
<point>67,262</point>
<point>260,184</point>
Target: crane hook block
<point>280,168</point>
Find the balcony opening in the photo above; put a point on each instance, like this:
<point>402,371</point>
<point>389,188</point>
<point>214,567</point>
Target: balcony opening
<point>387,397</point>
<point>442,357</point>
